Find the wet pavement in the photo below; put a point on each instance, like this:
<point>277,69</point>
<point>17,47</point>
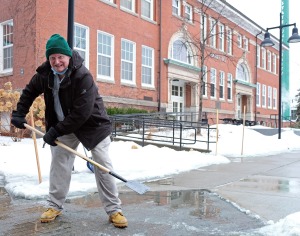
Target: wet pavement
<point>227,199</point>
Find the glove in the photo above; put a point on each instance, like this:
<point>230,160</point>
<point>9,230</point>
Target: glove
<point>51,136</point>
<point>18,120</point>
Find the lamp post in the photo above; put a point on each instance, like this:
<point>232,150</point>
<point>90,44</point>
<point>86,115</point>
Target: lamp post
<point>267,42</point>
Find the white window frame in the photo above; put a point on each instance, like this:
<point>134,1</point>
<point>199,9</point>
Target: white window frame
<point>239,40</point>
<point>222,85</point>
<point>263,58</point>
<point>109,56</point>
<point>274,98</point>
<point>258,56</point>
<point>81,42</point>
<point>188,12</point>
<point>187,57</point>
<point>264,96</point>
<point>203,27</point>
<point>3,47</point>
<point>269,61</point>
<point>144,9</point>
<point>130,59</point>
<point>213,32</point>
<point>124,3</point>
<point>147,63</point>
<point>274,63</point>
<point>269,97</point>
<point>221,37</point>
<point>229,87</point>
<point>204,88</point>
<point>246,43</point>
<point>258,100</point>
<point>176,7</point>
<point>213,81</point>
<point>229,41</point>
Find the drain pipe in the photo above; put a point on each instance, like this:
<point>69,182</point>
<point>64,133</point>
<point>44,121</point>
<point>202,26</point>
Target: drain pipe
<point>160,61</point>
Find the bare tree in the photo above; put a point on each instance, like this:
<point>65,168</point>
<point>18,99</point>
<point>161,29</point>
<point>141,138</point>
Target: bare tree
<point>205,40</point>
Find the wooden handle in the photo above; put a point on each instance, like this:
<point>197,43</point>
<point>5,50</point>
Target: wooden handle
<point>69,149</point>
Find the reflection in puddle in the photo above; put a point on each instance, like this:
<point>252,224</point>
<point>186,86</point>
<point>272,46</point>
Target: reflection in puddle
<point>199,202</point>
<point>273,184</point>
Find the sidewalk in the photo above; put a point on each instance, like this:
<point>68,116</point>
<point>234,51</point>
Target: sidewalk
<point>198,202</point>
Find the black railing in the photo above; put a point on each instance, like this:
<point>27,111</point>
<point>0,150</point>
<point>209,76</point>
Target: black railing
<point>176,129</point>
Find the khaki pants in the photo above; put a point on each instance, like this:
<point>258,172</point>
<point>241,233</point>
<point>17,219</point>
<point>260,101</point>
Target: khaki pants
<point>61,171</point>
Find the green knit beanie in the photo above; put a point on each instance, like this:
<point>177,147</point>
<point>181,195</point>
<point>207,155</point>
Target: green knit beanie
<point>57,44</point>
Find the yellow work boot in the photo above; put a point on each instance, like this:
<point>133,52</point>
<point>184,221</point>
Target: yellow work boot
<point>49,215</point>
<point>118,220</point>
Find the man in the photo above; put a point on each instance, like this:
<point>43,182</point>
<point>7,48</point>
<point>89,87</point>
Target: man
<point>74,113</point>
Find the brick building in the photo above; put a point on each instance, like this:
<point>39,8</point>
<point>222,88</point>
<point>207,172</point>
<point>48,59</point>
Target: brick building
<point>147,53</point>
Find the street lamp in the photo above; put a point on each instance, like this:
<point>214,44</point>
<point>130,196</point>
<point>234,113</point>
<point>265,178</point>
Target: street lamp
<point>267,42</point>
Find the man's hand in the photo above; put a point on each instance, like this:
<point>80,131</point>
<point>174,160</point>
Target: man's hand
<point>18,120</point>
<point>51,136</point>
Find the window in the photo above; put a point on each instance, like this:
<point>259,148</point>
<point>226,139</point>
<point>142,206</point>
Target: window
<point>246,44</point>
<point>147,66</point>
<point>213,74</point>
<point>263,58</point>
<point>147,9</point>
<point>6,46</point>
<point>221,85</point>
<point>274,63</point>
<point>203,27</point>
<point>264,96</point>
<point>176,7</point>
<point>258,56</point>
<point>274,98</point>
<point>239,41</point>
<point>229,87</point>
<point>188,10</point>
<point>128,4</point>
<point>221,37</point>
<point>269,61</point>
<point>204,83</point>
<point>81,42</point>
<point>258,94</point>
<point>127,61</point>
<point>269,97</point>
<point>242,73</point>
<point>213,33</point>
<point>105,56</point>
<point>180,52</point>
<point>229,41</point>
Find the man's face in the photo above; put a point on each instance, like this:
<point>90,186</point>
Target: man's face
<point>59,62</point>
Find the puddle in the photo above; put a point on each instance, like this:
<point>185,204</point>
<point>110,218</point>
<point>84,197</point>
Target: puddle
<point>200,202</point>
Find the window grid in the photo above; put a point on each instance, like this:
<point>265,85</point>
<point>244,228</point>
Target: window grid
<point>7,47</point>
<point>274,98</point>
<point>105,55</point>
<point>213,33</point>
<point>263,96</point>
<point>269,97</point>
<point>80,42</point>
<point>147,9</point>
<point>176,7</point>
<point>229,41</point>
<point>147,66</point>
<point>258,94</point>
<point>221,85</point>
<point>128,4</point>
<point>188,12</point>
<point>213,82</point>
<point>221,38</point>
<point>204,84</point>
<point>127,61</point>
<point>229,87</point>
